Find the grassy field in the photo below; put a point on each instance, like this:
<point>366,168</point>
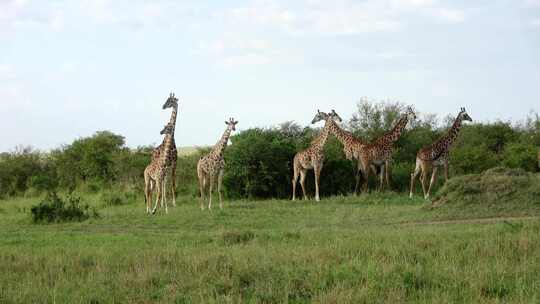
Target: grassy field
<point>376,248</point>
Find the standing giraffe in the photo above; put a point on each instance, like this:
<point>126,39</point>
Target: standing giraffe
<point>212,165</point>
<point>351,144</point>
<point>436,155</point>
<point>312,157</point>
<point>155,174</point>
<point>379,152</point>
<point>171,102</point>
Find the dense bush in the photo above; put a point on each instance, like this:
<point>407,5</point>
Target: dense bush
<point>259,161</point>
<point>53,210</point>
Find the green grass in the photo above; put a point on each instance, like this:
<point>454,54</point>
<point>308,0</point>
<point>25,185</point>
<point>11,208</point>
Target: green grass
<point>372,248</point>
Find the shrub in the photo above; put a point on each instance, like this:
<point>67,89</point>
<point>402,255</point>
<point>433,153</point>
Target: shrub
<point>53,210</point>
<point>259,164</point>
<point>521,155</point>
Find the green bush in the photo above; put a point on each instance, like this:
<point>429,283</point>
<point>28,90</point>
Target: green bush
<point>53,210</point>
<point>259,161</point>
<point>259,164</point>
<point>520,155</point>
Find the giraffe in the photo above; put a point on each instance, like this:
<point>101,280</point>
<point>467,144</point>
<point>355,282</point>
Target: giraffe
<point>212,165</point>
<point>436,155</point>
<point>350,143</point>
<point>171,102</point>
<point>312,157</point>
<point>156,172</point>
<point>379,152</point>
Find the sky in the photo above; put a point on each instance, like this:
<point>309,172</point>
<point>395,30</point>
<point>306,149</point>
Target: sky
<point>71,68</point>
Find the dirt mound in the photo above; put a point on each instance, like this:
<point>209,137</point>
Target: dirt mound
<point>495,191</point>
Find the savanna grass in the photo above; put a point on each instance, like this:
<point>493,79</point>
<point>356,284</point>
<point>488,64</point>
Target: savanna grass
<point>371,248</point>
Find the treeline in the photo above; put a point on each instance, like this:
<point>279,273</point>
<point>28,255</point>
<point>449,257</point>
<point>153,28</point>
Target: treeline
<point>259,160</point>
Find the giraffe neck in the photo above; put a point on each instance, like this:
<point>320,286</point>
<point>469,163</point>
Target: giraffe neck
<point>454,130</point>
<point>346,138</point>
<point>395,133</point>
<point>319,141</point>
<point>222,143</point>
<point>167,147</point>
<point>172,121</point>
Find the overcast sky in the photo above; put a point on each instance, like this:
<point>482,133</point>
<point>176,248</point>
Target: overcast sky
<point>70,68</point>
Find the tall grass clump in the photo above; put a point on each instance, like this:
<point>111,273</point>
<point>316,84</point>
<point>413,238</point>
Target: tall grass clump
<point>117,198</point>
<point>54,209</point>
<point>498,190</point>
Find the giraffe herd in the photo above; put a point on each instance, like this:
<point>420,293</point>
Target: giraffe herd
<point>371,157</point>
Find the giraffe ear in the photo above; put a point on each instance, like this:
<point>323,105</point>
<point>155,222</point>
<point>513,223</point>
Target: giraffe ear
<point>226,122</point>
<point>236,122</point>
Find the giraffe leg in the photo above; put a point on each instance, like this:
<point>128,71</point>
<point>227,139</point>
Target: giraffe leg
<point>417,170</point>
<point>302,182</point>
<point>381,178</point>
<point>173,182</point>
<point>433,177</point>
<point>202,184</point>
<point>203,191</point>
<point>164,191</point>
<point>387,173</point>
<point>365,171</point>
<point>294,180</point>
<point>357,177</point>
<point>158,189</point>
<point>211,188</point>
<point>446,171</point>
<point>220,181</point>
<point>423,179</point>
<point>317,171</point>
<point>147,193</point>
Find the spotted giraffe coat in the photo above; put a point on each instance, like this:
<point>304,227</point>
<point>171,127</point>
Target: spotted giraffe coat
<point>212,163</point>
<point>437,153</point>
<point>380,150</point>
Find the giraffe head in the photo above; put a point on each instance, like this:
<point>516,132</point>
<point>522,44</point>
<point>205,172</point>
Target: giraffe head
<point>168,129</point>
<point>409,112</point>
<point>463,115</point>
<point>335,117</point>
<point>319,116</point>
<point>232,124</point>
<point>172,101</point>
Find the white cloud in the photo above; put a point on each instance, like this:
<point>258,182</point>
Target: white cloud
<point>451,15</point>
<point>341,17</point>
<point>229,43</point>
<point>246,59</point>
<point>531,2</point>
<point>233,50</point>
<point>7,72</point>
